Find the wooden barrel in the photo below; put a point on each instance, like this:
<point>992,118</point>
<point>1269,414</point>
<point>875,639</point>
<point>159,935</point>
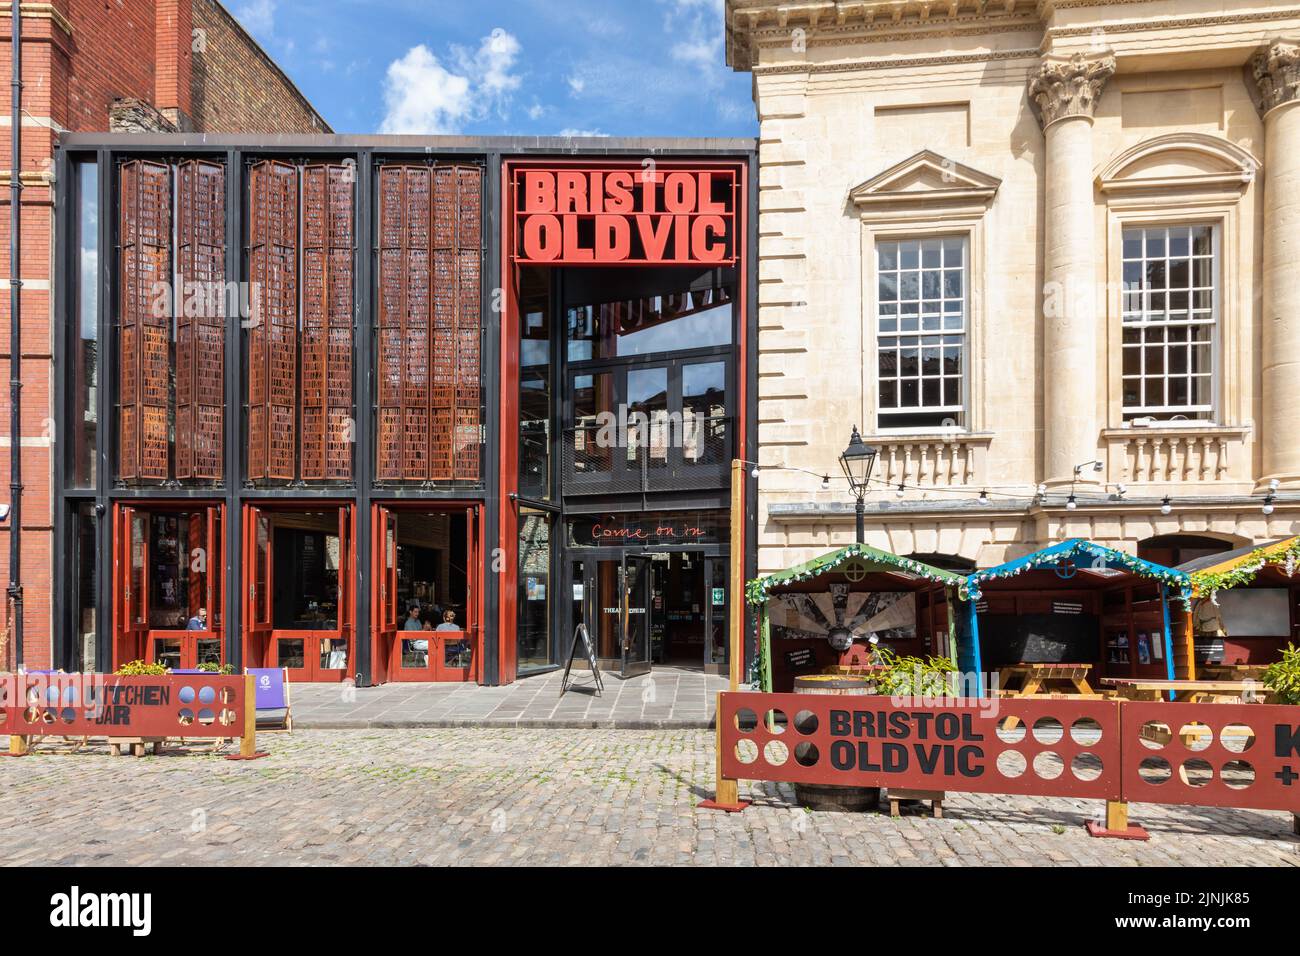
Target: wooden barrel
<point>822,796</point>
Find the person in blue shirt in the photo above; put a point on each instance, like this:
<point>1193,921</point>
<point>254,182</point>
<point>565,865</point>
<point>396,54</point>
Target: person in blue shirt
<point>412,622</point>
<point>199,622</point>
<point>448,622</point>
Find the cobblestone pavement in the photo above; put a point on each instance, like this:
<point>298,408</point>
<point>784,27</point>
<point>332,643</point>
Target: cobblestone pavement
<point>667,697</point>
<point>505,796</point>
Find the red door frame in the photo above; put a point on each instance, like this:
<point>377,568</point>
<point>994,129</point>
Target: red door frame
<point>386,618</point>
<point>259,635</point>
<point>508,534</point>
<point>133,639</point>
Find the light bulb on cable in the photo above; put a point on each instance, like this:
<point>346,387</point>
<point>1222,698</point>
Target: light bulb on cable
<point>900,490</point>
<point>1166,506</point>
<point>984,497</point>
<point>754,473</point>
<point>1268,505</point>
<point>826,482</point>
<point>1071,502</point>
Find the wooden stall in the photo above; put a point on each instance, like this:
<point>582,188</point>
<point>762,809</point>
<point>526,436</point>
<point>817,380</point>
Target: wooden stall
<point>1244,611</point>
<point>1069,615</point>
<point>823,614</point>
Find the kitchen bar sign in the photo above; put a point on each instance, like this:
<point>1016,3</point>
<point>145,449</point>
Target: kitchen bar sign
<point>654,213</point>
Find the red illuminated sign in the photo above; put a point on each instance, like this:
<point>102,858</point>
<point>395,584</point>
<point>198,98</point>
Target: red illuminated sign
<point>654,214</point>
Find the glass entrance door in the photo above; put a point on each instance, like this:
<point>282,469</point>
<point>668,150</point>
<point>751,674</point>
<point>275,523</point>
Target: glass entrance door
<point>636,616</point>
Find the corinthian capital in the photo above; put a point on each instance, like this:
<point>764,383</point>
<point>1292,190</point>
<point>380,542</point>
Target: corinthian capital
<point>1277,72</point>
<point>1069,86</point>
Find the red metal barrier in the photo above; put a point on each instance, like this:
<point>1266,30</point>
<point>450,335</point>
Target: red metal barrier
<point>154,707</point>
<point>1211,755</point>
<point>1222,755</point>
<point>1068,748</point>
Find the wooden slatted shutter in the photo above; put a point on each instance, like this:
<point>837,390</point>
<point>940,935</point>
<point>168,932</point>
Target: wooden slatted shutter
<point>327,322</point>
<point>200,321</point>
<point>428,345</point>
<point>273,325</point>
<point>144,320</point>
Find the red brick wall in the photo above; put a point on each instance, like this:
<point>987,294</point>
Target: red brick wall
<point>77,59</point>
<point>237,87</point>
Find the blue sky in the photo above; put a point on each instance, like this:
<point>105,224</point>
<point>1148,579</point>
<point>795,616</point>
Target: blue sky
<point>518,67</point>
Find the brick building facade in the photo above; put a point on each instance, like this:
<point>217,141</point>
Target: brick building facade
<point>135,65</point>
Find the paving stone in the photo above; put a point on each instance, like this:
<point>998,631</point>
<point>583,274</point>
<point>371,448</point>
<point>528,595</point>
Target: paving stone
<point>482,796</point>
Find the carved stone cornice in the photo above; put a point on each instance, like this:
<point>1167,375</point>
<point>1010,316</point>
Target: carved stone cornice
<point>1277,73</point>
<point>1069,86</point>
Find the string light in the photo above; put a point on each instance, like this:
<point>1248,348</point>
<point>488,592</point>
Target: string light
<point>1071,502</point>
<point>900,490</point>
<point>826,482</point>
<point>984,497</point>
<point>1166,506</point>
<point>1268,504</point>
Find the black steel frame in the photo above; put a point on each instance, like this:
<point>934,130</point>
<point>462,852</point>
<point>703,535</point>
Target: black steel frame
<point>107,151</point>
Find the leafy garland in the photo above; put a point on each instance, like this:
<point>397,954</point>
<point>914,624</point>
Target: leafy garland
<point>758,590</point>
<point>1246,569</point>
<point>1048,557</point>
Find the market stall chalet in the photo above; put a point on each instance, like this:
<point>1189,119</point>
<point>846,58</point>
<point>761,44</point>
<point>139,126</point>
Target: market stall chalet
<point>1077,603</point>
<point>1245,609</point>
<point>824,612</point>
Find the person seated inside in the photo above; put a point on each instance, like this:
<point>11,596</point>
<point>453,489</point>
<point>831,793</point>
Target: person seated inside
<point>427,625</point>
<point>412,622</point>
<point>199,622</point>
<point>448,622</point>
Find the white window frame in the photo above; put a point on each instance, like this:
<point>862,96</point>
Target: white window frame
<point>1209,413</point>
<point>961,410</point>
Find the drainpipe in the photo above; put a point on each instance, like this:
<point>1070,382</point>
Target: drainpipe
<point>15,340</point>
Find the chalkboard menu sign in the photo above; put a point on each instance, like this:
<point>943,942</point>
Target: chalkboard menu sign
<point>1039,639</point>
<point>580,634</point>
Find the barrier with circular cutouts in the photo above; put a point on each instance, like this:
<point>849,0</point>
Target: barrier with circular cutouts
<point>1212,755</point>
<point>1227,755</point>
<point>109,705</point>
<point>1044,747</point>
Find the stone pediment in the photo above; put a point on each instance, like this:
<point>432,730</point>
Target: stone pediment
<point>1179,161</point>
<point>926,179</point>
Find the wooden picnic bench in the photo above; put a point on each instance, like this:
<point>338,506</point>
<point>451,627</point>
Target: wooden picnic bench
<point>1052,681</point>
<point>1186,691</point>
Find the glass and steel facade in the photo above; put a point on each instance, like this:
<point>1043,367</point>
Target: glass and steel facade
<point>310,397</point>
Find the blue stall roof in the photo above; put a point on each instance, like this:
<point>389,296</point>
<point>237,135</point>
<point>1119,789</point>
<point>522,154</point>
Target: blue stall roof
<point>1098,558</point>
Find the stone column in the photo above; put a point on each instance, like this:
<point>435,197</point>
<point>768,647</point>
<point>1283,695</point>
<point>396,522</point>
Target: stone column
<point>1066,91</point>
<point>1277,71</point>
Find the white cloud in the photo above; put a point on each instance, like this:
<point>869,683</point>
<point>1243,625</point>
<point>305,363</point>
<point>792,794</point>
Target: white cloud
<point>576,83</point>
<point>697,29</point>
<point>423,96</point>
<point>258,17</point>
<point>572,132</point>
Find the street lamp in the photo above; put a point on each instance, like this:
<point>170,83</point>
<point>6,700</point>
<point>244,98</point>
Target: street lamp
<point>857,462</point>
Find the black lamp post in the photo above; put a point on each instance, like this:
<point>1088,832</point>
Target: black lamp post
<point>857,461</point>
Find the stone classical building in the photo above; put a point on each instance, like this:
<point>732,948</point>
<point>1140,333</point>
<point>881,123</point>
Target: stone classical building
<point>1042,252</point>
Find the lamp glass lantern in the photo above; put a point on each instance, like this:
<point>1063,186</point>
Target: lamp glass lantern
<point>857,461</point>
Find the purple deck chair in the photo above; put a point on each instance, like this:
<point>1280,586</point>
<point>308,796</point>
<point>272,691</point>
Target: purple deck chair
<point>271,697</point>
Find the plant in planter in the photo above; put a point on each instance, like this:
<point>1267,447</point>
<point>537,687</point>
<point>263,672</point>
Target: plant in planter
<point>140,669</point>
<point>913,676</point>
<point>1283,677</point>
<point>217,668</point>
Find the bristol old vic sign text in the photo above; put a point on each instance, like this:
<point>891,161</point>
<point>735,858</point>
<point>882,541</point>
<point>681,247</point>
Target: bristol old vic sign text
<point>644,214</point>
